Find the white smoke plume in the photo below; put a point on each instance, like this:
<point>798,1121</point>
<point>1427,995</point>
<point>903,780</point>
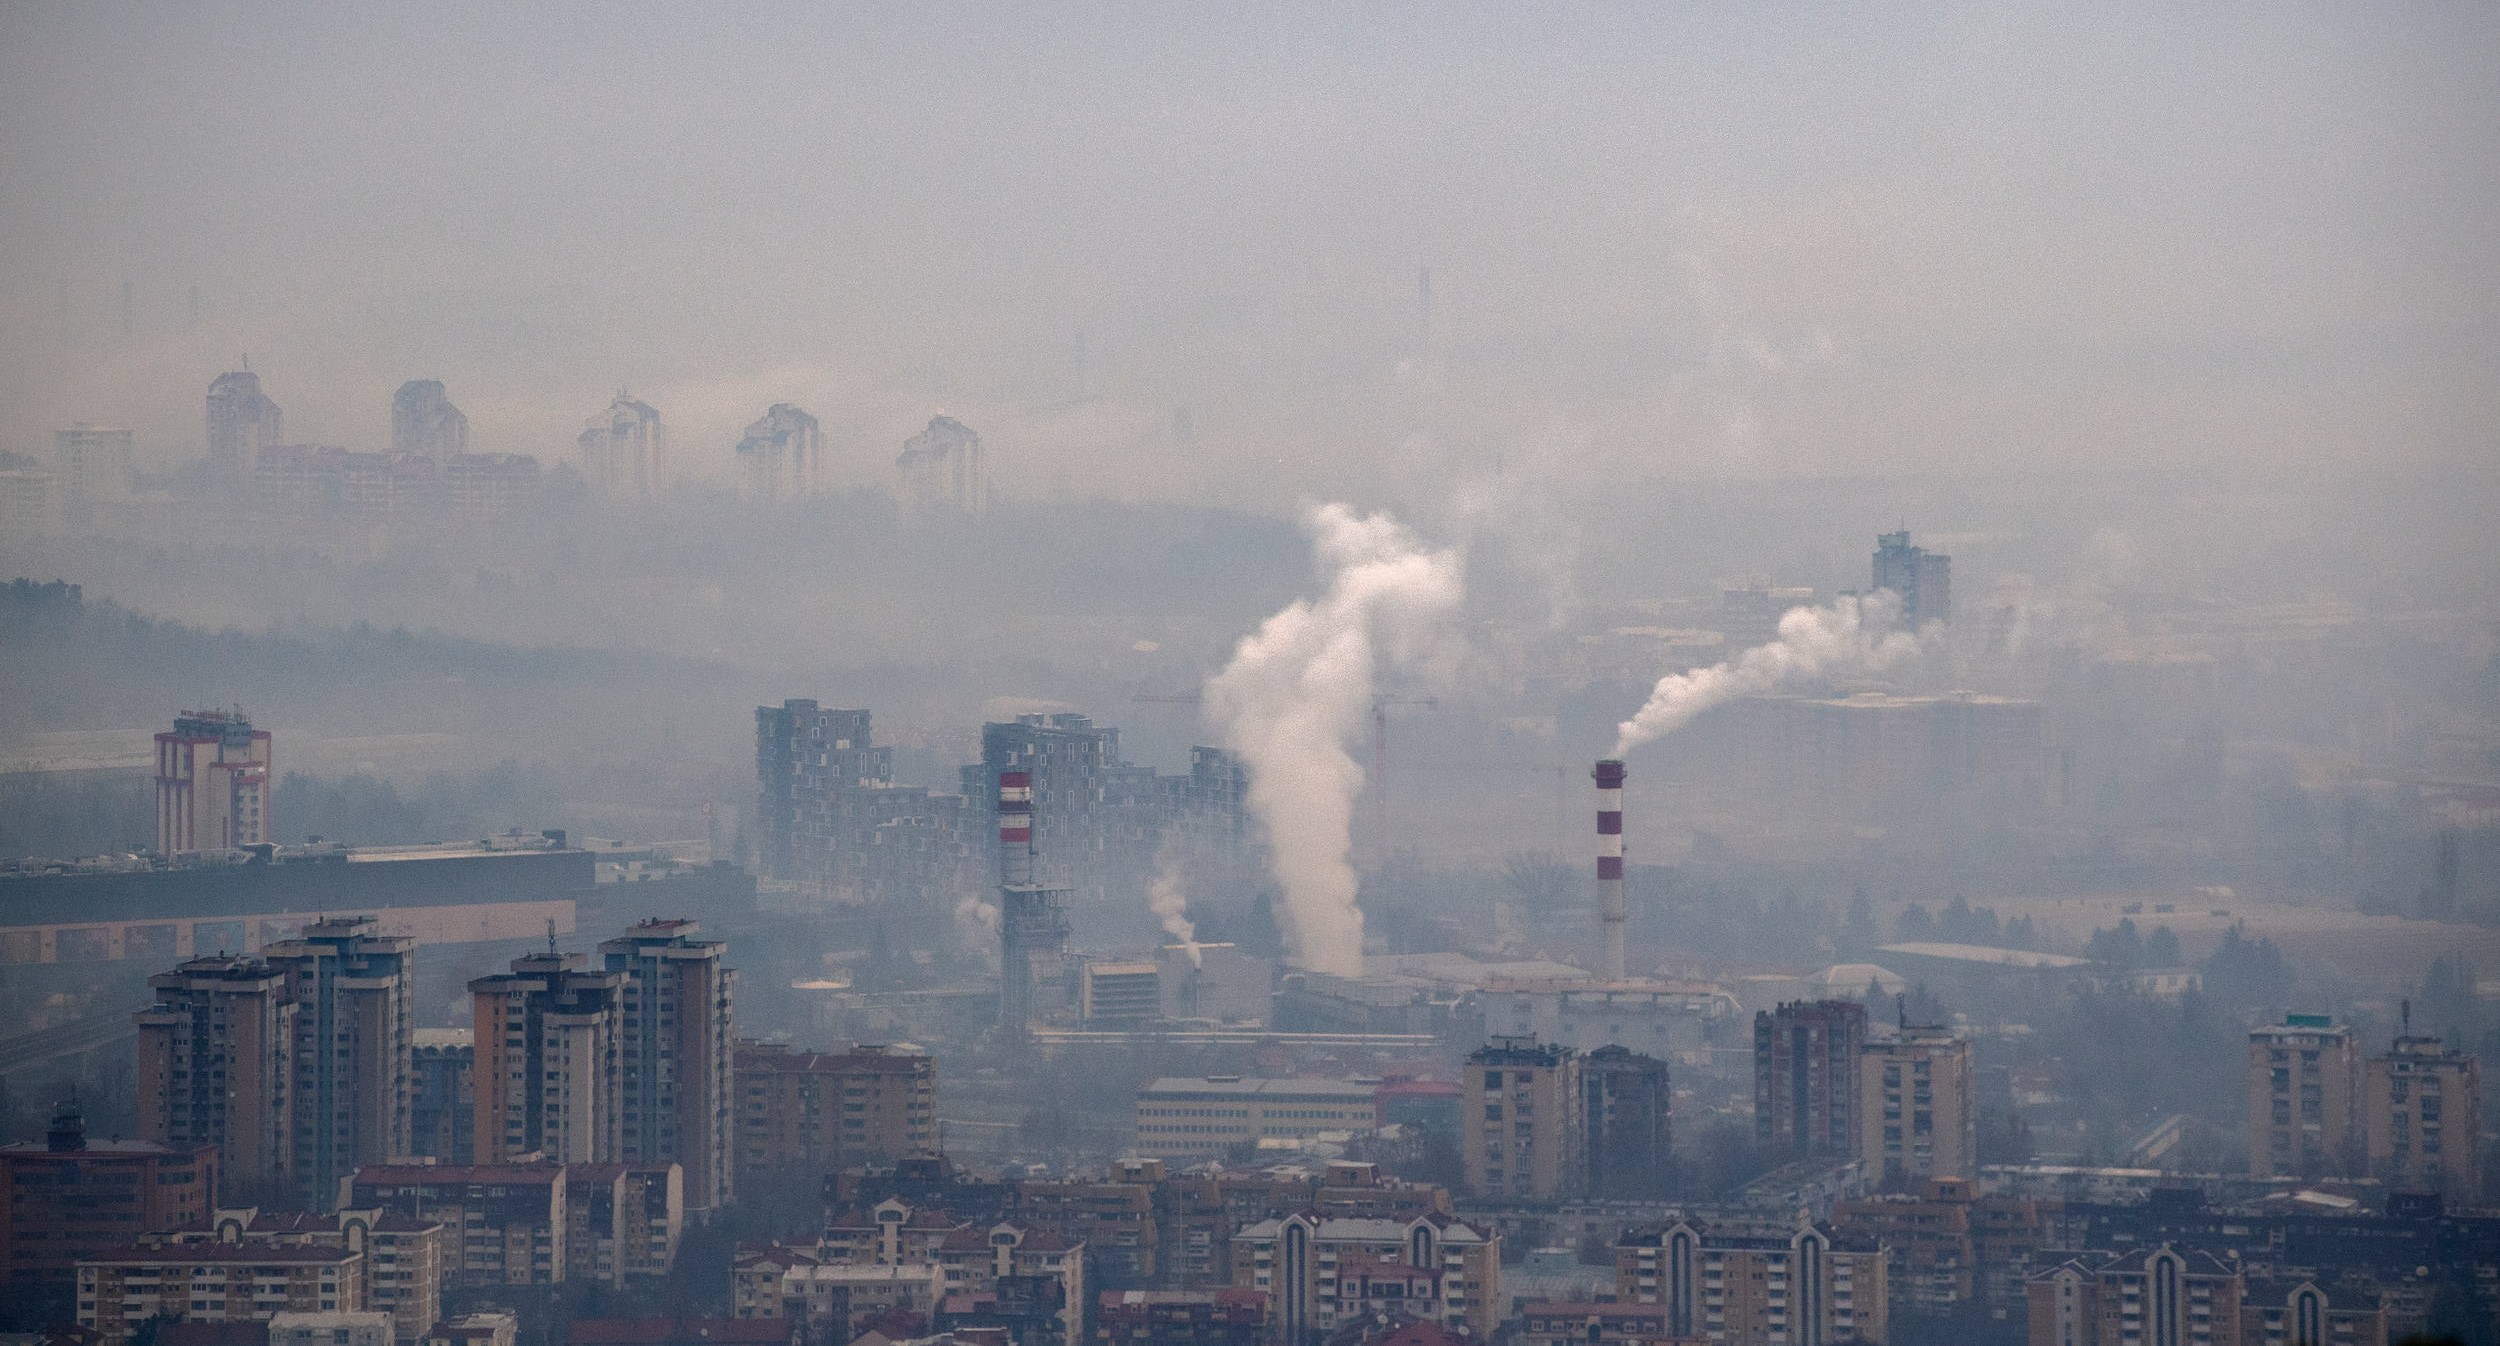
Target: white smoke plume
<point>1297,691</point>
<point>1851,635</point>
<point>1169,901</point>
<point>976,923</point>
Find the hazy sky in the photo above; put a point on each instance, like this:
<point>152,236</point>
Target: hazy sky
<point>1688,239</point>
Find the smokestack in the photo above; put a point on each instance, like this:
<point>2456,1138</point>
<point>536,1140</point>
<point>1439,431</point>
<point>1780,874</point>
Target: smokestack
<point>1609,778</point>
<point>1015,828</point>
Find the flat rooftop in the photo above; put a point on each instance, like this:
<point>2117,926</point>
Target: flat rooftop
<point>1230,1086</point>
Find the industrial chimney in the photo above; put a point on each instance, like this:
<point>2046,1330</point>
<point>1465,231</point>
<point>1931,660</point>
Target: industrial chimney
<point>1609,778</point>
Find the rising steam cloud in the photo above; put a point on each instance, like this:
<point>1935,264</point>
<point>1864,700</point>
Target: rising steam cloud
<point>1169,901</point>
<point>1852,635</point>
<point>1296,693</point>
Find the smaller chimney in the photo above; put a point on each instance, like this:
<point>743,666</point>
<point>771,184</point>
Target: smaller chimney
<point>1609,778</point>
<point>1015,828</point>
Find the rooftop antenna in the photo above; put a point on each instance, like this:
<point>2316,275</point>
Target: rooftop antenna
<point>2404,1016</point>
<point>551,937</point>
<point>1901,1011</point>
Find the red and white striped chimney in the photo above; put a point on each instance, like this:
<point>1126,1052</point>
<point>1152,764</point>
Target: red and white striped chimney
<point>1609,778</point>
<point>1015,828</point>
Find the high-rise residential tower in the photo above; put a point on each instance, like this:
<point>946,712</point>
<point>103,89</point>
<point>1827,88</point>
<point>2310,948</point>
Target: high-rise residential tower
<point>242,422</point>
<point>548,1038</point>
<point>2304,1094</point>
<point>215,1066</point>
<point>1917,1117</point>
<point>1923,580</point>
<point>1805,1077</point>
<point>425,423</point>
<point>213,783</point>
<point>624,449</point>
<point>943,474</point>
<point>93,465</point>
<point>1522,1133</point>
<point>1626,1104</point>
<point>352,1090</point>
<point>2423,1106</point>
<point>676,1054</point>
<point>778,457</point>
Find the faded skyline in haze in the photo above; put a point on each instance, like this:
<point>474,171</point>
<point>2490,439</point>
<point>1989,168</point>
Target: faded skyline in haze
<point>1715,242</point>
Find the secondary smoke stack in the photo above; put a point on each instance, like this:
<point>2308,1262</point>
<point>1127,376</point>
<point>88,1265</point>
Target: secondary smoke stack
<point>1015,828</point>
<point>1609,778</point>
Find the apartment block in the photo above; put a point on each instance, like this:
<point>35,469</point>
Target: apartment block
<point>66,1196</point>
<point>622,1223</point>
<point>2423,1112</point>
<point>1626,1104</point>
<point>120,1290</point>
<point>214,1065</point>
<point>442,1106</point>
<point>676,1054</point>
<point>507,1223</point>
<point>400,1277</point>
<point>352,1090</point>
<point>1917,1117</point>
<point>1805,1077</point>
<point>1297,1261</point>
<point>1804,1285</point>
<point>813,1112</point>
<point>1522,1129</point>
<point>547,1081</point>
<point>2160,1296</point>
<point>2304,1095</point>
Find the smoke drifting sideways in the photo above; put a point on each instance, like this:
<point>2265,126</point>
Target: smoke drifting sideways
<point>1296,694</point>
<point>1853,635</point>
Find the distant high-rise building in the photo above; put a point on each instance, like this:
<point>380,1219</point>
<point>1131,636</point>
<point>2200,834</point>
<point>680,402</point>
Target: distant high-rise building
<point>624,449</point>
<point>352,986</point>
<point>778,459</point>
<point>442,1115</point>
<point>828,815</point>
<point>943,475</point>
<point>425,423</point>
<point>2304,1094</point>
<point>1625,1103</point>
<point>242,422</point>
<point>213,783</point>
<point>94,464</point>
<point>1522,1131</point>
<point>2424,1109</point>
<point>215,1066</point>
<point>547,1062</point>
<point>677,1054</point>
<point>1032,918</point>
<point>1923,580</point>
<point>1917,1115</point>
<point>1805,1077</point>
<point>1069,759</point>
<point>26,496</point>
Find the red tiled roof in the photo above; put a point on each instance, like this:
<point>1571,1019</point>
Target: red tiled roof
<point>212,1334</point>
<point>678,1332</point>
<point>221,1252</point>
<point>465,1175</point>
